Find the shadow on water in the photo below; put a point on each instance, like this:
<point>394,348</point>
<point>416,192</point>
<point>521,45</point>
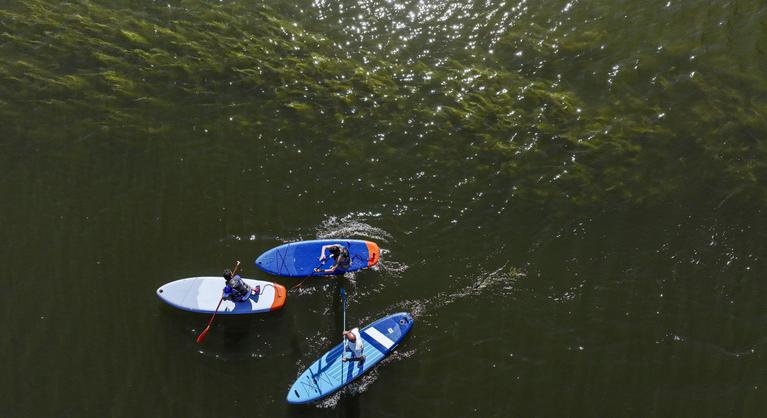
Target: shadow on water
<point>235,331</point>
<point>231,337</point>
<point>350,405</point>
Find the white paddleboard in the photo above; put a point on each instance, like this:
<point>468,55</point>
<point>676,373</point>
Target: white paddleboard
<point>202,294</point>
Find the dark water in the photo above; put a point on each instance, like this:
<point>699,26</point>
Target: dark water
<point>569,198</point>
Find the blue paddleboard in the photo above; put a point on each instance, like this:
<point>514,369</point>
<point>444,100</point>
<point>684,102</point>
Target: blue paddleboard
<point>329,373</point>
<point>299,259</point>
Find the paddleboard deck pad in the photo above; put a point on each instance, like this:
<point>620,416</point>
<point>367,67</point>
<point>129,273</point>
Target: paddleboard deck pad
<point>201,294</point>
<point>299,259</point>
<point>329,373</point>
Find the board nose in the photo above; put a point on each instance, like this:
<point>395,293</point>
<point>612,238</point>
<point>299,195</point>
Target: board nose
<point>405,320</point>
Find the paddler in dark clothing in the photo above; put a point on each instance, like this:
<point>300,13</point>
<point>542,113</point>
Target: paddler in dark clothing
<point>236,289</point>
<point>339,253</point>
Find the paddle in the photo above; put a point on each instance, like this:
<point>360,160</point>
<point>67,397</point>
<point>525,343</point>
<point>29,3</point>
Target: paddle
<point>315,270</point>
<point>204,333</point>
<point>343,341</point>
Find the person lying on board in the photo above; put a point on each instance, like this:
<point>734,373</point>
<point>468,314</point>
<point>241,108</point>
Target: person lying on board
<point>354,345</point>
<point>339,253</point>
<point>236,289</point>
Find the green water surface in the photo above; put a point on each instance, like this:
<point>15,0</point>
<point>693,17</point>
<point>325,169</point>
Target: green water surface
<point>568,196</point>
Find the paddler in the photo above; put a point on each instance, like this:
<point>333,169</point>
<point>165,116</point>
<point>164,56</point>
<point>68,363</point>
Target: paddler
<point>339,253</point>
<point>236,289</point>
<point>354,345</point>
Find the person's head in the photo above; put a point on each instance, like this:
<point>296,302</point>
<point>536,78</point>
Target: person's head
<point>227,274</point>
<point>350,336</point>
<point>335,250</point>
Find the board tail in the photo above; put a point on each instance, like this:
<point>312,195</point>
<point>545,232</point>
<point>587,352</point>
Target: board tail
<point>374,253</point>
<point>280,294</point>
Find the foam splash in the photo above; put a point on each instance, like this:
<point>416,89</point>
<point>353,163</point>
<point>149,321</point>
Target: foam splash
<point>354,225</point>
<point>248,237</point>
<point>330,401</point>
<point>351,225</point>
<point>390,267</point>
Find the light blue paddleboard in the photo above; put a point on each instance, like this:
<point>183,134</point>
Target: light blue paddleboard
<point>299,259</point>
<point>203,294</point>
<point>329,373</point>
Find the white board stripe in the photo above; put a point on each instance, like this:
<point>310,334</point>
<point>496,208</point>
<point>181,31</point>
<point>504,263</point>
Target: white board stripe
<point>382,339</point>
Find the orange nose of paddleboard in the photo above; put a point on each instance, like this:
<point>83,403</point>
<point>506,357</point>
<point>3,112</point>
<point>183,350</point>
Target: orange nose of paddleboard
<point>279,296</point>
<point>374,253</point>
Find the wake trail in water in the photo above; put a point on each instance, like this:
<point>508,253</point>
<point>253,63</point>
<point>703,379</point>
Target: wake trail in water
<point>390,267</point>
<point>500,281</point>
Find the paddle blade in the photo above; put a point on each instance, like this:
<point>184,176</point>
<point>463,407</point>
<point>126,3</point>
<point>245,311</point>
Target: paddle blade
<point>203,334</point>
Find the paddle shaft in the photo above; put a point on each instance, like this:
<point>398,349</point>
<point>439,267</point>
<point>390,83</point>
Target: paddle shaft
<point>322,263</point>
<point>204,333</point>
<point>343,340</point>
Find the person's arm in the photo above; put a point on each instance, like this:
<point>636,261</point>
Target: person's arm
<point>333,267</point>
<point>227,293</point>
<point>360,345</point>
<point>322,252</point>
<point>346,346</point>
<point>336,259</point>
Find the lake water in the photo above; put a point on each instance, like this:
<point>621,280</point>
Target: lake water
<point>568,196</point>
